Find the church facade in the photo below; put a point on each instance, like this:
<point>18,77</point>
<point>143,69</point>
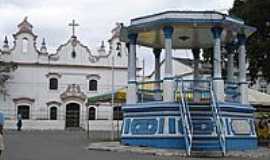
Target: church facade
<point>55,86</point>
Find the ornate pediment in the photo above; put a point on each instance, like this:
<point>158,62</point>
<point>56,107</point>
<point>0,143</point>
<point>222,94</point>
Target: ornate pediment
<point>73,91</point>
<point>93,76</point>
<point>25,27</point>
<point>53,74</point>
<point>53,102</point>
<point>74,43</point>
<point>27,100</point>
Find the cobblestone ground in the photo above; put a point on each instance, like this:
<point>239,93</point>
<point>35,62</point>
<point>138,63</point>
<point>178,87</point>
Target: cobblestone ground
<point>64,145</point>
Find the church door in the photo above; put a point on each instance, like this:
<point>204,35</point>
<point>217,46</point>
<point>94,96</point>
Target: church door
<point>72,115</point>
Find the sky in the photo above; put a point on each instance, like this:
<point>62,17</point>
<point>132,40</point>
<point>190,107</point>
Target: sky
<point>96,18</point>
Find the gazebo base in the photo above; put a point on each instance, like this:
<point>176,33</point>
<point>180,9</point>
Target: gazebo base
<point>232,144</point>
<point>159,124</point>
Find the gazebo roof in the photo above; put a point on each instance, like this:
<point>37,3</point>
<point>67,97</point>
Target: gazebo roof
<point>192,29</point>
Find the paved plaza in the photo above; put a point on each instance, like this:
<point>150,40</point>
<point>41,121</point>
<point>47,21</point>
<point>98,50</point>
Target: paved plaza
<point>60,145</point>
<point>65,145</point>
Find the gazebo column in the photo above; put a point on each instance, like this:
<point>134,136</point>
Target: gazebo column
<point>242,69</point>
<point>168,84</point>
<point>196,74</point>
<point>230,63</point>
<point>218,83</point>
<point>157,52</point>
<point>132,87</point>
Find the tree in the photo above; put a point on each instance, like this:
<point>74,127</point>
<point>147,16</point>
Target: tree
<point>5,69</point>
<point>256,13</point>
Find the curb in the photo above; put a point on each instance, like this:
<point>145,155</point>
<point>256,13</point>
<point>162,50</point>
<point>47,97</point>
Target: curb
<point>261,152</point>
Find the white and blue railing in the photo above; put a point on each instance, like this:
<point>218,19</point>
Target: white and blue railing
<point>217,118</point>
<point>185,115</point>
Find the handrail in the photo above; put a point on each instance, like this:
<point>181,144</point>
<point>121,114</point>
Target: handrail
<point>149,82</point>
<point>189,80</point>
<point>219,122</point>
<point>186,119</point>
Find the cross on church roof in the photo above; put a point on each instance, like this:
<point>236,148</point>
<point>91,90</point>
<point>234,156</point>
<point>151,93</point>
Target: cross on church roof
<point>73,25</point>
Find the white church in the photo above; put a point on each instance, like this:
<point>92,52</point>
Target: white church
<point>52,88</point>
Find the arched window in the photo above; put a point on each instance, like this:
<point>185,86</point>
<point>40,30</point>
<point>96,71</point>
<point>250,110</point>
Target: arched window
<point>117,113</point>
<point>24,111</point>
<point>53,83</point>
<point>91,113</point>
<point>93,85</point>
<point>53,113</point>
<point>25,45</point>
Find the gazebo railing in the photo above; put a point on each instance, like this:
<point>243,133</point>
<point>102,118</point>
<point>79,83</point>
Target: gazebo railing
<point>150,91</point>
<point>185,115</point>
<point>195,91</point>
<point>232,92</point>
<point>220,126</point>
<point>201,91</point>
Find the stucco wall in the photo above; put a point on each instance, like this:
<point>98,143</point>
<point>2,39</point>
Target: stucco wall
<point>36,125</point>
<point>95,125</point>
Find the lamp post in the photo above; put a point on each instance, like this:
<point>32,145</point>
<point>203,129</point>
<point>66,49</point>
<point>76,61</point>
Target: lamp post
<point>112,131</point>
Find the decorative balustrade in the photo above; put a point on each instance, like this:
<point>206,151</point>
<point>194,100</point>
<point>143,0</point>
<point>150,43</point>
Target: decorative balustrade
<point>195,91</point>
<point>232,92</point>
<point>150,91</point>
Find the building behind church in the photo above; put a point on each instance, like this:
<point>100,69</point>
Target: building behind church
<point>52,88</point>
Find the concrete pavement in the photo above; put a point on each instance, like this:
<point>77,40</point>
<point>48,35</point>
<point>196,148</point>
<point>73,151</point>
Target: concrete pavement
<point>72,145</point>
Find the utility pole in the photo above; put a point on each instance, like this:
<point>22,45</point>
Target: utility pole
<point>112,131</point>
<point>142,81</point>
<point>87,121</point>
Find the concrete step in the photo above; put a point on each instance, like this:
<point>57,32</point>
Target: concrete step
<point>204,144</point>
<point>211,142</point>
<point>232,87</point>
<point>232,92</point>
<point>203,126</point>
<point>206,148</point>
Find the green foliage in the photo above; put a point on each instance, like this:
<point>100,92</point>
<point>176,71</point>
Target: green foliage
<point>256,13</point>
<point>5,69</point>
<point>207,54</point>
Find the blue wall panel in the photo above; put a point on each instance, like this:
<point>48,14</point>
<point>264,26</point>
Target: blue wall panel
<point>241,143</point>
<point>144,126</point>
<point>180,126</point>
<point>172,129</point>
<point>127,124</point>
<point>162,142</point>
<point>161,126</point>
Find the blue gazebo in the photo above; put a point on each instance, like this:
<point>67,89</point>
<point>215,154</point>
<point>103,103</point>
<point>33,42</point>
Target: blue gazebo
<point>195,115</point>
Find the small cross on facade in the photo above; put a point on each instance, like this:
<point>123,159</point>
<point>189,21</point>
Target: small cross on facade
<point>73,25</point>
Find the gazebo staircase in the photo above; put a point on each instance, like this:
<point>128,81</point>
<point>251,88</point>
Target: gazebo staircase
<point>203,128</point>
